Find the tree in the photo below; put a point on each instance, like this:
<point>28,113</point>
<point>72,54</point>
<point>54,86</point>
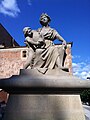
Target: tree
<point>85,96</point>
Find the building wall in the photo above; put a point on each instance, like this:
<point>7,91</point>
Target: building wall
<point>3,96</point>
<point>13,59</point>
<point>68,60</point>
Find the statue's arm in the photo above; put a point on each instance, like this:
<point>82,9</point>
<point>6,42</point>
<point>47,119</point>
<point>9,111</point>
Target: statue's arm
<point>59,37</point>
<point>30,41</point>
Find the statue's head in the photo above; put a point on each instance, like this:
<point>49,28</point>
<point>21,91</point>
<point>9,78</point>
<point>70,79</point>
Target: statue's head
<point>44,19</point>
<point>27,31</point>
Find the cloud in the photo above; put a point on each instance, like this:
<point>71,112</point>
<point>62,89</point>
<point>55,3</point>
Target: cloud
<point>29,2</point>
<point>9,7</point>
<point>81,69</point>
<point>76,56</point>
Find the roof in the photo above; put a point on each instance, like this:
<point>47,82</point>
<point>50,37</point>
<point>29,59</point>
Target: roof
<point>6,40</point>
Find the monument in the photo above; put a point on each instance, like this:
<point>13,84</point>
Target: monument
<point>44,90</point>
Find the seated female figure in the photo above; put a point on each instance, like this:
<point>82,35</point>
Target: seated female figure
<point>52,56</point>
<point>47,55</point>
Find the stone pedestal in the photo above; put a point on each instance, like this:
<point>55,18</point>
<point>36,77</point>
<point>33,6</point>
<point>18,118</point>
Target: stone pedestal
<point>42,97</point>
<point>44,107</point>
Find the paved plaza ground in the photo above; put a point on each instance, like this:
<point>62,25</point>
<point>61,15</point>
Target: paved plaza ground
<point>87,111</point>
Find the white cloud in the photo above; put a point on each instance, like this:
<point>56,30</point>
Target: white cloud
<point>29,2</point>
<point>76,56</point>
<point>81,69</point>
<point>9,7</point>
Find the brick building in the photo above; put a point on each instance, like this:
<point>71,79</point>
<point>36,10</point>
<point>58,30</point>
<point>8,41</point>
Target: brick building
<point>13,57</point>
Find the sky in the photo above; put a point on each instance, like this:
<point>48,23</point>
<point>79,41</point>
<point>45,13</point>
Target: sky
<point>71,18</point>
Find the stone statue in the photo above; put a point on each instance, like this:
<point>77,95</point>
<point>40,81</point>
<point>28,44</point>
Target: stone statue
<point>45,54</point>
<point>32,40</point>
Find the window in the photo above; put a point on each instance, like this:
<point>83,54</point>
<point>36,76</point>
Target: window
<point>24,54</point>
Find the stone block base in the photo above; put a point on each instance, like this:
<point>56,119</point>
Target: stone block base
<point>44,107</point>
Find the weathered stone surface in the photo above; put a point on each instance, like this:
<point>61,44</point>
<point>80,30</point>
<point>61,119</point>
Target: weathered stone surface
<point>44,107</point>
<point>31,79</point>
<point>11,61</point>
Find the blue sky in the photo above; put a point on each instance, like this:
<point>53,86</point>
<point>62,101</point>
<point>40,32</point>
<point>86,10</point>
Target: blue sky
<point>71,18</point>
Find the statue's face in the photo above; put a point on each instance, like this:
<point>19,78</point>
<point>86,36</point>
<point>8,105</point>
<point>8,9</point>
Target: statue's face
<point>44,21</point>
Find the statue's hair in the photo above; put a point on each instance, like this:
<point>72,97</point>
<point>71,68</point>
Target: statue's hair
<point>44,14</point>
<point>25,29</point>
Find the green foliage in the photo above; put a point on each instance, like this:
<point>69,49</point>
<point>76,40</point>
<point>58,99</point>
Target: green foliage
<point>85,96</point>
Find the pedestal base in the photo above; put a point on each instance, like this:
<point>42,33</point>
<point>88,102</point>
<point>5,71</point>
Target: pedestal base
<point>44,107</point>
<point>34,96</point>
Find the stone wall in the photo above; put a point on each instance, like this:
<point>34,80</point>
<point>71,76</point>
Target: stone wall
<point>68,60</point>
<point>11,61</point>
<point>3,96</point>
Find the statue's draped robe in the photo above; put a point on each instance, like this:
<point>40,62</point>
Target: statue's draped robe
<point>46,57</point>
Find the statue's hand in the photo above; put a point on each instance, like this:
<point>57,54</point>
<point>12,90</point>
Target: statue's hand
<point>64,44</point>
<point>25,42</point>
